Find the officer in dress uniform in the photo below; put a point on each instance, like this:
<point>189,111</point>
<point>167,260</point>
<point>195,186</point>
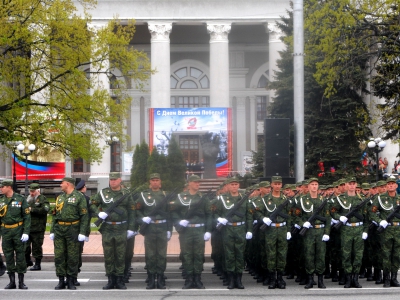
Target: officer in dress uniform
<point>39,207</point>
<point>116,228</point>
<point>67,230</point>
<point>15,220</point>
<point>158,231</point>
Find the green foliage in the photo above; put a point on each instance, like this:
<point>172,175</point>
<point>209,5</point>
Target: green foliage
<point>176,167</point>
<point>258,161</point>
<point>153,162</point>
<point>139,168</point>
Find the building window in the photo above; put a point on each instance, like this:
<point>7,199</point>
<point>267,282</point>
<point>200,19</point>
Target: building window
<point>78,165</point>
<point>189,78</point>
<point>262,105</point>
<point>115,149</point>
<point>190,101</point>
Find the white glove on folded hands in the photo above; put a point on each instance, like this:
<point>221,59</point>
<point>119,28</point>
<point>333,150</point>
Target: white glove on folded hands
<point>249,236</point>
<point>383,223</point>
<point>146,220</point>
<point>307,224</point>
<point>223,221</point>
<point>325,238</point>
<point>103,215</point>
<point>207,236</point>
<point>288,235</point>
<point>130,234</point>
<point>81,237</point>
<point>343,219</point>
<point>184,223</point>
<point>51,236</point>
<point>334,221</point>
<point>267,221</point>
<point>24,238</point>
<point>169,235</point>
<point>364,236</point>
<point>297,226</point>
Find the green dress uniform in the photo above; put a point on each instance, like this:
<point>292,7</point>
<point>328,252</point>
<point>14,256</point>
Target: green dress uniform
<point>69,220</point>
<point>192,236</point>
<point>155,239</point>
<point>114,230</point>
<point>352,243</point>
<point>314,247</point>
<point>390,237</point>
<point>40,207</point>
<point>15,220</point>
<point>234,235</point>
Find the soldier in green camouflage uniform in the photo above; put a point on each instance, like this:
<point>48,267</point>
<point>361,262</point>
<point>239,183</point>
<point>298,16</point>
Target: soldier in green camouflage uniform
<point>235,231</point>
<point>353,233</point>
<point>68,228</point>
<point>115,229</point>
<point>317,234</point>
<point>15,220</point>
<point>39,207</point>
<point>194,230</point>
<point>276,234</point>
<point>390,237</point>
<point>158,231</point>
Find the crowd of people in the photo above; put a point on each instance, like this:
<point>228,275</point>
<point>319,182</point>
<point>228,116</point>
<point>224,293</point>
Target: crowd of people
<point>343,231</point>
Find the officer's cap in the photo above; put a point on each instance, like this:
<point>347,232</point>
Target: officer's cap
<point>351,179</point>
<point>391,179</point>
<point>381,183</point>
<point>34,186</point>
<point>365,186</point>
<point>276,179</point>
<point>80,185</point>
<point>155,176</point>
<point>312,179</point>
<point>233,179</point>
<point>194,178</point>
<point>6,182</point>
<point>264,184</point>
<point>69,179</point>
<point>115,175</point>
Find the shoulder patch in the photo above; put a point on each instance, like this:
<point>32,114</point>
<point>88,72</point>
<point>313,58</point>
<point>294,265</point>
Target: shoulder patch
<point>27,211</point>
<point>374,209</point>
<point>84,211</point>
<point>333,210</point>
<point>138,205</point>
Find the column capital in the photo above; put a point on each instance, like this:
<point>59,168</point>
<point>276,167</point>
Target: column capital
<point>274,32</point>
<point>96,25</point>
<point>160,31</point>
<point>218,32</point>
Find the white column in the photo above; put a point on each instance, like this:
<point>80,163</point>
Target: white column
<point>275,45</point>
<point>253,123</point>
<point>160,62</point>
<point>219,64</point>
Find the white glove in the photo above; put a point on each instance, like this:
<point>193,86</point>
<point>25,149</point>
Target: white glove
<point>288,235</point>
<point>364,235</point>
<point>24,237</point>
<point>51,236</point>
<point>249,236</point>
<point>168,235</point>
<point>307,224</point>
<point>334,221</point>
<point>343,219</point>
<point>267,221</point>
<point>129,234</point>
<point>86,239</point>
<point>255,222</point>
<point>297,226</point>
<point>207,236</point>
<point>103,215</point>
<point>383,223</point>
<point>146,220</point>
<point>184,223</point>
<point>81,238</point>
<point>325,238</point>
<point>223,221</point>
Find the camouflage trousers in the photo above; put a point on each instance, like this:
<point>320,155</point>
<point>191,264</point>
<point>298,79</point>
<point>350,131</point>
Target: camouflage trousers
<point>66,249</point>
<point>391,249</point>
<point>276,247</point>
<point>155,245</point>
<point>11,244</point>
<point>192,247</point>
<point>114,248</point>
<point>234,242</point>
<point>375,243</point>
<point>35,245</point>
<point>352,248</point>
<point>130,244</point>
<point>217,250</point>
<point>314,251</point>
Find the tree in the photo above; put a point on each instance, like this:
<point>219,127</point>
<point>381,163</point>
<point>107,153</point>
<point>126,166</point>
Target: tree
<point>50,58</point>
<point>258,161</point>
<point>153,162</point>
<point>176,168</point>
<point>139,168</point>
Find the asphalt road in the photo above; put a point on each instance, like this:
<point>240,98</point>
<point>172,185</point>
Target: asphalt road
<point>41,286</point>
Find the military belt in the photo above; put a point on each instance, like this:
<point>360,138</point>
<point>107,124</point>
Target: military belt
<point>116,223</point>
<point>354,224</point>
<point>394,224</point>
<point>196,225</point>
<point>68,223</point>
<point>158,221</point>
<point>235,223</point>
<point>319,226</point>
<point>12,225</point>
<point>278,224</point>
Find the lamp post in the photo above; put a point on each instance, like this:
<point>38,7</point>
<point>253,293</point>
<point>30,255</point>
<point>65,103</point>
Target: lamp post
<point>376,144</point>
<point>21,149</point>
<point>112,141</point>
<point>14,145</point>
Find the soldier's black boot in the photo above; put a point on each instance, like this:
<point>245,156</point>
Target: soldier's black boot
<point>334,274</point>
<point>225,279</point>
<point>21,284</point>
<point>197,282</point>
<point>378,277</point>
<point>266,280</point>
<point>362,273</point>
<point>342,277</point>
<point>238,280</point>
<point>386,279</point>
<point>309,284</point>
<point>231,281</point>
<point>355,282</point>
<point>120,284</point>
<point>36,266</point>
<point>29,262</point>
<point>70,283</point>
<point>304,278</point>
<point>393,280</point>
<point>327,272</point>
<point>61,283</point>
<point>321,284</point>
<point>152,282</point>
<point>347,282</point>
<point>188,282</point>
<point>110,283</point>
<point>75,281</point>
<point>11,285</point>
<point>280,283</point>
<point>161,282</point>
<point>272,280</point>
<point>369,274</point>
<point>3,268</point>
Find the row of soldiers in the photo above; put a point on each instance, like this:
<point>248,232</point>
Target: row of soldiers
<point>263,227</point>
